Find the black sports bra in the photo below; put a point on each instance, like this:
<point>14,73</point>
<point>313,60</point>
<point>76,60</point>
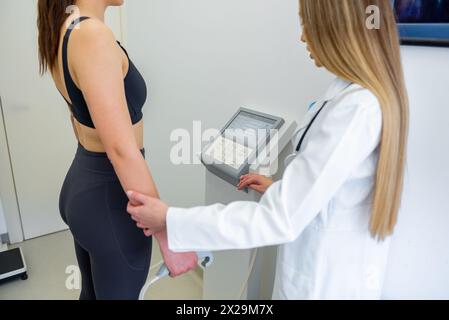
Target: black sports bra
<point>135,87</point>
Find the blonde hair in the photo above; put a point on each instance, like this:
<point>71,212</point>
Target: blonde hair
<point>338,36</point>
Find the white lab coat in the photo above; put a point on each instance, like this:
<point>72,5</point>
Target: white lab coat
<point>319,212</point>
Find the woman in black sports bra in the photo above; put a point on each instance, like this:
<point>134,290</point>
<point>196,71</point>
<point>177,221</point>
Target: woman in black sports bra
<point>105,93</point>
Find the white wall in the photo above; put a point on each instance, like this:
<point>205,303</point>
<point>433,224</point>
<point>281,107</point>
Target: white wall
<point>3,229</point>
<point>202,60</point>
<point>419,258</point>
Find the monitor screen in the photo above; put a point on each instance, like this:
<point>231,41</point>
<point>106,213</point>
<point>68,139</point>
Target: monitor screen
<point>423,22</point>
<point>422,11</point>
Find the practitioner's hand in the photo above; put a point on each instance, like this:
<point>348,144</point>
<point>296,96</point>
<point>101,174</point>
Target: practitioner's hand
<point>149,213</point>
<point>256,182</point>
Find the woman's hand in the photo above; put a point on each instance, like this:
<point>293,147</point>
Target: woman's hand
<point>256,182</point>
<point>177,263</point>
<point>149,213</point>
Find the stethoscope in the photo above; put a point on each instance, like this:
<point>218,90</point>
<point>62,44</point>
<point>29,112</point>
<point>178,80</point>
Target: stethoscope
<point>289,159</point>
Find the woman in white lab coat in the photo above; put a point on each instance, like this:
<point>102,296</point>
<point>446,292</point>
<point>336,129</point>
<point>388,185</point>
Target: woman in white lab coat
<point>337,203</point>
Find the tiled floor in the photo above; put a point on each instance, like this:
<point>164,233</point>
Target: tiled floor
<point>47,259</point>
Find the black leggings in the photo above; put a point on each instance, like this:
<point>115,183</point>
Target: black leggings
<point>113,254</point>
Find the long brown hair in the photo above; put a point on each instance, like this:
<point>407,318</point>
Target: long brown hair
<point>339,37</point>
<point>51,16</point>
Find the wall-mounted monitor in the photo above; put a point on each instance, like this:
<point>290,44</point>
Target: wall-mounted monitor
<point>423,22</point>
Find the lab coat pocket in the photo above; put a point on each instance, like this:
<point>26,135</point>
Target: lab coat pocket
<point>294,284</point>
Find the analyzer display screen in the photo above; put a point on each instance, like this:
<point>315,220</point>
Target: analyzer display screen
<point>248,121</point>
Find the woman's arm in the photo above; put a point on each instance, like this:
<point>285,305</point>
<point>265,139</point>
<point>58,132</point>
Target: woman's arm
<point>98,71</point>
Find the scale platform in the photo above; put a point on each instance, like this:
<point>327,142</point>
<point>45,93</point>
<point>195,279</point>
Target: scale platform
<point>12,265</point>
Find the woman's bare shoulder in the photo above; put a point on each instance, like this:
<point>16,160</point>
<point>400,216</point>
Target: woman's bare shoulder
<point>92,30</point>
<point>92,44</point>
<point>92,35</point>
